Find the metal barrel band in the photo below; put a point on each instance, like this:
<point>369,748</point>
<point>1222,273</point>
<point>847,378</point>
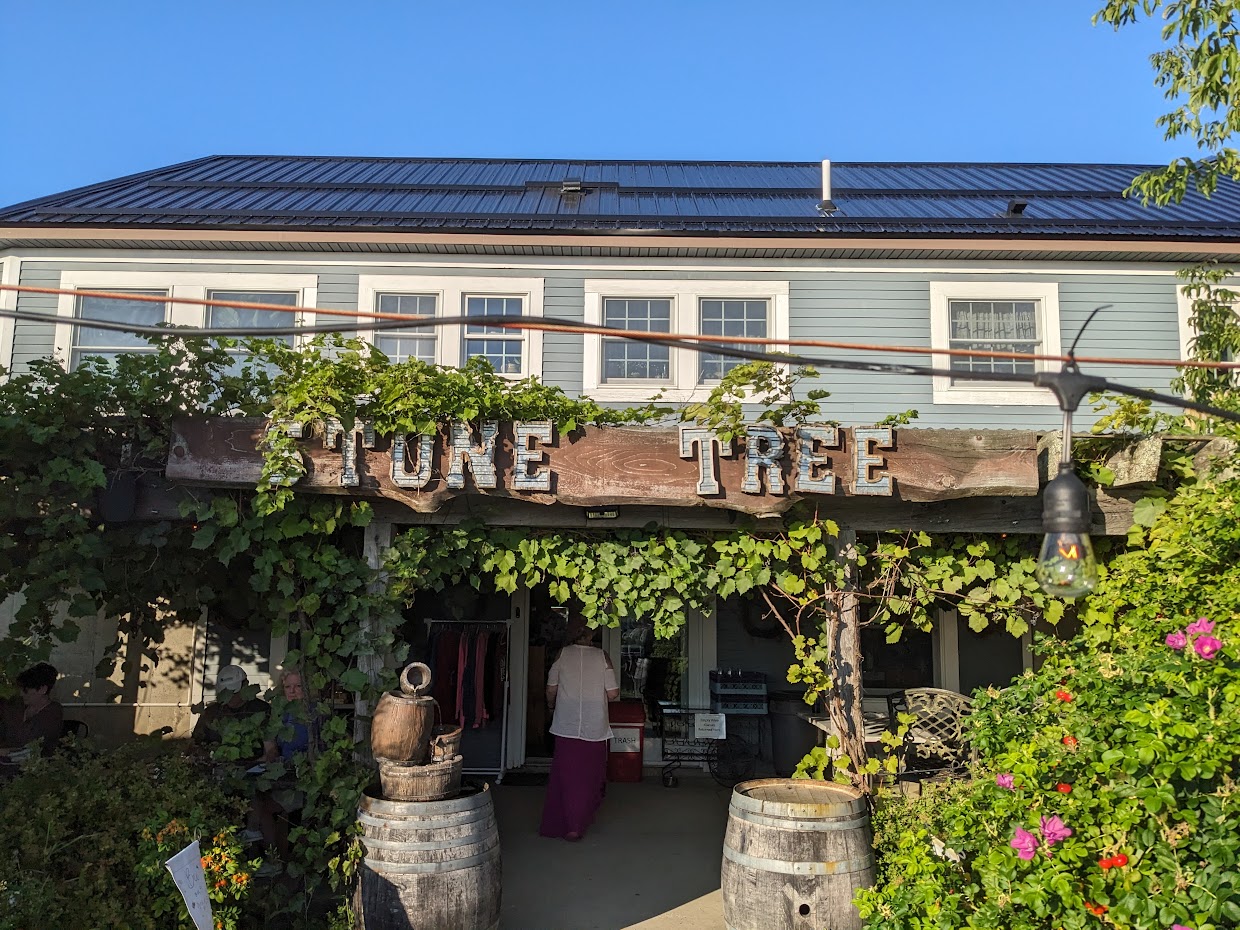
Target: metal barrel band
<point>802,826</point>
<point>372,843</point>
<point>783,867</point>
<point>380,806</point>
<point>453,820</point>
<point>414,868</point>
<point>850,807</point>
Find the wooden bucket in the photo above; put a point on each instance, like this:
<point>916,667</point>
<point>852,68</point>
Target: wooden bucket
<point>401,727</point>
<point>406,781</point>
<point>445,742</point>
<point>794,853</point>
<point>429,866</point>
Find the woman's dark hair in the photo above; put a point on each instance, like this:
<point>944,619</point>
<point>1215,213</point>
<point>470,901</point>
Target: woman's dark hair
<point>38,676</point>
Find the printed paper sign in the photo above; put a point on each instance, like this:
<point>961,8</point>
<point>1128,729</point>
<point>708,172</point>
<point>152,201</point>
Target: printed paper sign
<point>186,869</point>
<point>710,726</point>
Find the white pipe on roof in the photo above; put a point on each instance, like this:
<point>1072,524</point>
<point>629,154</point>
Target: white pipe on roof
<point>826,181</point>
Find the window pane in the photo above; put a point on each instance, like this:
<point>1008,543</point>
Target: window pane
<point>87,340</point>
<point>637,361</point>
<point>503,354</point>
<point>491,306</point>
<point>744,318</point>
<point>398,344</point>
<point>241,318</point>
<point>994,326</point>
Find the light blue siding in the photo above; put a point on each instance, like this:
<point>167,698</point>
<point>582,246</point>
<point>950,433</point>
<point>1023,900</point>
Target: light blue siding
<point>835,304</point>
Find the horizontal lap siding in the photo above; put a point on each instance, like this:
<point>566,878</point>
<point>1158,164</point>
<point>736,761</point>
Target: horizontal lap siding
<point>853,306</point>
<point>31,340</point>
<point>563,298</point>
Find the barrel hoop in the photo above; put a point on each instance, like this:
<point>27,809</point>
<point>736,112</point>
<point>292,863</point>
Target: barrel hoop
<point>453,820</point>
<point>480,799</point>
<point>801,826</point>
<point>848,808</point>
<point>797,868</point>
<point>442,844</point>
<point>413,868</point>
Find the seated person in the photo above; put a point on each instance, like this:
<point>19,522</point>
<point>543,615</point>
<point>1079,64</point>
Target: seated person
<point>299,723</point>
<point>231,706</point>
<point>41,718</point>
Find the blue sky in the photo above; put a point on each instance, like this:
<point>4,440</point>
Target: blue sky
<point>99,90</point>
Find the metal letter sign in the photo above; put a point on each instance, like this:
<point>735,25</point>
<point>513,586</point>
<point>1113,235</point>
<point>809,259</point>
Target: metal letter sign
<point>419,479</point>
<point>867,463</point>
<point>706,442</point>
<point>811,460</point>
<point>348,448</point>
<point>764,447</point>
<point>481,457</point>
<point>540,478</point>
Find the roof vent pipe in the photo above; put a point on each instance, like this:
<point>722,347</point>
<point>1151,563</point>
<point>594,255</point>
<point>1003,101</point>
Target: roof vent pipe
<point>827,205</point>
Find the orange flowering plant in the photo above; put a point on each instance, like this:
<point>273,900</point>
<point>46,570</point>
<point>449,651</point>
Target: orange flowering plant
<point>228,871</point>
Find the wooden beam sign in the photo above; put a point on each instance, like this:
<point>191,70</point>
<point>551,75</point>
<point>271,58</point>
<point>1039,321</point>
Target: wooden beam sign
<point>764,473</point>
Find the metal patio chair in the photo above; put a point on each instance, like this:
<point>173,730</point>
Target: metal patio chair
<point>934,745</point>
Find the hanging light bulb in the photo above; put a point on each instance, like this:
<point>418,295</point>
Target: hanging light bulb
<point>1066,563</point>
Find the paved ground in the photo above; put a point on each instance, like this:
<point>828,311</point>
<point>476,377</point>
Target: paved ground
<point>650,862</point>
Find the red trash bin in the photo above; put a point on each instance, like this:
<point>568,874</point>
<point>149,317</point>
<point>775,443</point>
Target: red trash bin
<point>628,723</point>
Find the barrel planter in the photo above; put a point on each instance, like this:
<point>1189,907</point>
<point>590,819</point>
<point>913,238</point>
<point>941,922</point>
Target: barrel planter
<point>429,865</point>
<point>794,853</point>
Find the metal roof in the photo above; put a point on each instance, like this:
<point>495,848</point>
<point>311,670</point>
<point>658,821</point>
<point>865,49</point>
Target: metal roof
<point>670,197</point>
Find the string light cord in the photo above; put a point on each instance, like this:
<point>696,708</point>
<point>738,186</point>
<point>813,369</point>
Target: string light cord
<point>1069,378</point>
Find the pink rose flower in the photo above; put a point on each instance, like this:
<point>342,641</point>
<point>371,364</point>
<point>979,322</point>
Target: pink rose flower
<point>1177,640</point>
<point>1200,625</point>
<point>1207,646</point>
<point>1025,843</point>
<point>1005,781</point>
<point>1053,830</point>
<point>1180,927</point>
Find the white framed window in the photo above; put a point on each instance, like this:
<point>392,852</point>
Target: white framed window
<point>1188,332</point>
<point>515,353</point>
<point>618,369</point>
<point>75,341</point>
<point>10,269</point>
<point>993,316</point>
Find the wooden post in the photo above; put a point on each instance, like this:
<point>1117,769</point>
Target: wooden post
<point>376,541</point>
<point>844,699</point>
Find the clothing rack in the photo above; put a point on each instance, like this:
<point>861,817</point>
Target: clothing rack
<point>500,763</point>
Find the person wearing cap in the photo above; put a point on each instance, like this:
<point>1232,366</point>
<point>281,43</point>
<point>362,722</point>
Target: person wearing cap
<point>231,705</point>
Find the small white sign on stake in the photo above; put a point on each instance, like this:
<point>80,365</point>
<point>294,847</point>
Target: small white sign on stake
<point>710,726</point>
<point>186,869</point>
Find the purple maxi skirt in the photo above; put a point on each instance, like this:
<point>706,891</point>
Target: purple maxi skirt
<point>575,790</point>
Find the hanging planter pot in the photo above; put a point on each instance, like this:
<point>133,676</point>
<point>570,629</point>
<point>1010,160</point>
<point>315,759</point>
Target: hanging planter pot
<point>118,500</point>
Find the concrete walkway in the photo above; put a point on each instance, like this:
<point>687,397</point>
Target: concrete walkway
<point>650,862</point>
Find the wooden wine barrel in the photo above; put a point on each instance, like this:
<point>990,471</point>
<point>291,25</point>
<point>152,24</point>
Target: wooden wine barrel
<point>430,865</point>
<point>794,853</point>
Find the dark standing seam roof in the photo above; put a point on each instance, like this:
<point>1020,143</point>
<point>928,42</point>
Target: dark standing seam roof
<point>721,198</point>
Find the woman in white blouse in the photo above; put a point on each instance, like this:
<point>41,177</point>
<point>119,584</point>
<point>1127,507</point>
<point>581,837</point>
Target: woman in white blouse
<point>579,686</point>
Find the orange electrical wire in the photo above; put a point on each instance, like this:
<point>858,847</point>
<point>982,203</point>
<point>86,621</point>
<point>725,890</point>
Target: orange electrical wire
<point>536,323</point>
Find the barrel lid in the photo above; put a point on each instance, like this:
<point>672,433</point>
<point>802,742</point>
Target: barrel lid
<point>801,797</point>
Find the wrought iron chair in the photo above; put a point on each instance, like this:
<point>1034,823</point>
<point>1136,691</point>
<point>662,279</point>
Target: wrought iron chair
<point>75,728</point>
<point>934,745</point>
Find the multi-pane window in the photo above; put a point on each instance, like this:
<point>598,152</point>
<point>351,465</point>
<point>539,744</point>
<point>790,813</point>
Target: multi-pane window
<point>502,347</point>
<point>246,318</point>
<point>628,360</point>
<point>400,345</point>
<point>745,318</point>
<point>109,343</point>
<point>993,326</point>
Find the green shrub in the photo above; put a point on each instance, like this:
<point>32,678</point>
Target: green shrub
<point>1132,741</point>
<point>83,838</point>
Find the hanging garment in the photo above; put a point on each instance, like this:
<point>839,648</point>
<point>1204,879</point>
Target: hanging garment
<point>462,661</point>
<point>480,680</point>
<point>446,645</point>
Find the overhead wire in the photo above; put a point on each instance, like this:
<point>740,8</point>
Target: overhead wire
<point>696,342</point>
